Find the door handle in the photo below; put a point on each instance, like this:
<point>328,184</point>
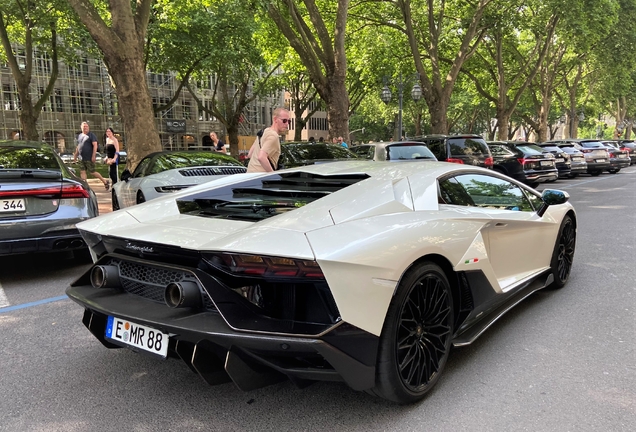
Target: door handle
<point>500,225</point>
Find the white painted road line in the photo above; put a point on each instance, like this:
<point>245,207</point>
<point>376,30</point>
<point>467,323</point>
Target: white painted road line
<point>4,301</point>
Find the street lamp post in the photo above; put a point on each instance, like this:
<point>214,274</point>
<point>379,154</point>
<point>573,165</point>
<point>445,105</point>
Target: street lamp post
<point>416,94</point>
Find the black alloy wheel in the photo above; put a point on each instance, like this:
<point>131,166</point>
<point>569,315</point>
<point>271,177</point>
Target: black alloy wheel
<point>416,338</point>
<point>115,202</point>
<point>595,173</point>
<point>563,254</point>
<point>140,197</point>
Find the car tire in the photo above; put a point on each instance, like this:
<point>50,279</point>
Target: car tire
<point>563,254</point>
<point>420,321</point>
<point>115,202</point>
<point>614,171</point>
<point>595,173</point>
<point>573,176</point>
<point>534,185</point>
<point>140,197</point>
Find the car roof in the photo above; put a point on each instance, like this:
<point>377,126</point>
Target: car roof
<point>390,143</point>
<point>448,136</point>
<point>25,144</point>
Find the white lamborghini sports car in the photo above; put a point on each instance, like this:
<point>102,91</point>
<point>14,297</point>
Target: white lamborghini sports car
<point>362,272</point>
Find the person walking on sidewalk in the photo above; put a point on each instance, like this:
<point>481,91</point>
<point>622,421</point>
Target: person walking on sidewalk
<point>219,145</point>
<point>112,155</point>
<point>87,148</point>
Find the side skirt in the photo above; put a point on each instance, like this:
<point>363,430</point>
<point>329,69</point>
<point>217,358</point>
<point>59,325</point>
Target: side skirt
<point>470,334</point>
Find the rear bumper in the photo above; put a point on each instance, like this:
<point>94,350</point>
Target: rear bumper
<point>597,166</point>
<point>58,241</point>
<point>219,353</point>
<point>619,163</point>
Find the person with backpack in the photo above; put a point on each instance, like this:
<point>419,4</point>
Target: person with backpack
<point>265,150</point>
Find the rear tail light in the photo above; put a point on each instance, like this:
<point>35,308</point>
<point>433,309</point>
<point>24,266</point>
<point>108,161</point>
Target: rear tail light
<point>74,191</point>
<point>266,266</point>
<point>68,190</point>
<point>489,162</point>
<point>453,160</point>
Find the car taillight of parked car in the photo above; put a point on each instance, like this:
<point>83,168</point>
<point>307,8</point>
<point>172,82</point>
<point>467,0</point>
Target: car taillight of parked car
<point>66,191</point>
<point>453,160</point>
<point>489,162</point>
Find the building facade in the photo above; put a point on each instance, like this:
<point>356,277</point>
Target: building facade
<point>83,92</point>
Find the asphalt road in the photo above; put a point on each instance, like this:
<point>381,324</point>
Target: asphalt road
<point>560,361</point>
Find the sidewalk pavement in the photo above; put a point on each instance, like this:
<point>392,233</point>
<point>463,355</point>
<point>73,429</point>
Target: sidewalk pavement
<point>104,199</point>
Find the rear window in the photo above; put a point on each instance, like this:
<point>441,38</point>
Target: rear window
<point>468,146</point>
<point>551,148</point>
<point>500,150</point>
<point>592,144</point>
<point>408,151</point>
<point>29,158</point>
<point>318,151</point>
<point>530,149</point>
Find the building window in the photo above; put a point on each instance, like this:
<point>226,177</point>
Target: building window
<point>10,97</point>
<point>187,109</point>
<point>78,68</point>
<point>204,115</point>
<point>43,62</point>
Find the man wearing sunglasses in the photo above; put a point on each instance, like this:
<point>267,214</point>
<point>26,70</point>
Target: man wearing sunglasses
<point>265,151</point>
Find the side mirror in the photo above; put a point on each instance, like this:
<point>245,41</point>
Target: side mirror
<point>126,175</point>
<point>552,197</point>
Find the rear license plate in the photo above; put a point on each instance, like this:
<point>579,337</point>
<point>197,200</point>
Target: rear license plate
<point>622,156</point>
<point>547,163</point>
<point>137,336</point>
<point>600,160</point>
<point>12,205</point>
<point>560,160</point>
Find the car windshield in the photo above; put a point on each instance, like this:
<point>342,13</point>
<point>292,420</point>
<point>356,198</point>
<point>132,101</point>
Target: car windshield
<point>27,157</point>
<point>408,151</point>
<point>316,151</point>
<point>468,146</point>
<point>530,149</point>
<point>191,159</point>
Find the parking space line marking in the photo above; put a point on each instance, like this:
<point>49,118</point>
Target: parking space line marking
<point>35,303</point>
<point>4,301</point>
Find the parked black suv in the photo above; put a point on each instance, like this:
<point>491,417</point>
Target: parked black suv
<point>523,161</point>
<point>463,149</point>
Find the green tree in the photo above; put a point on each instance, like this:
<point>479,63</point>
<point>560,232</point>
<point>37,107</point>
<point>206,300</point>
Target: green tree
<point>316,31</point>
<point>119,30</point>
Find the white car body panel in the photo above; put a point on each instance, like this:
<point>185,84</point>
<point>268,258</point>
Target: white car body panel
<point>126,191</point>
<point>365,236</point>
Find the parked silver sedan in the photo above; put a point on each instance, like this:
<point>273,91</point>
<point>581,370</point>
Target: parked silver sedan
<point>41,200</point>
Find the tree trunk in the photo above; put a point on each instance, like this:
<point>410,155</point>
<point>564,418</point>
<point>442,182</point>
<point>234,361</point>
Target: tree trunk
<point>28,116</point>
<point>122,44</point>
<point>503,120</point>
<point>135,106</point>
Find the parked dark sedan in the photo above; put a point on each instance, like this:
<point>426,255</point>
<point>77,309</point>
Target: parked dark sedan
<point>293,154</point>
<point>619,158</point>
<point>523,161</point>
<point>629,146</point>
<point>41,200</point>
<point>462,149</point>
<point>577,159</point>
<point>561,159</point>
